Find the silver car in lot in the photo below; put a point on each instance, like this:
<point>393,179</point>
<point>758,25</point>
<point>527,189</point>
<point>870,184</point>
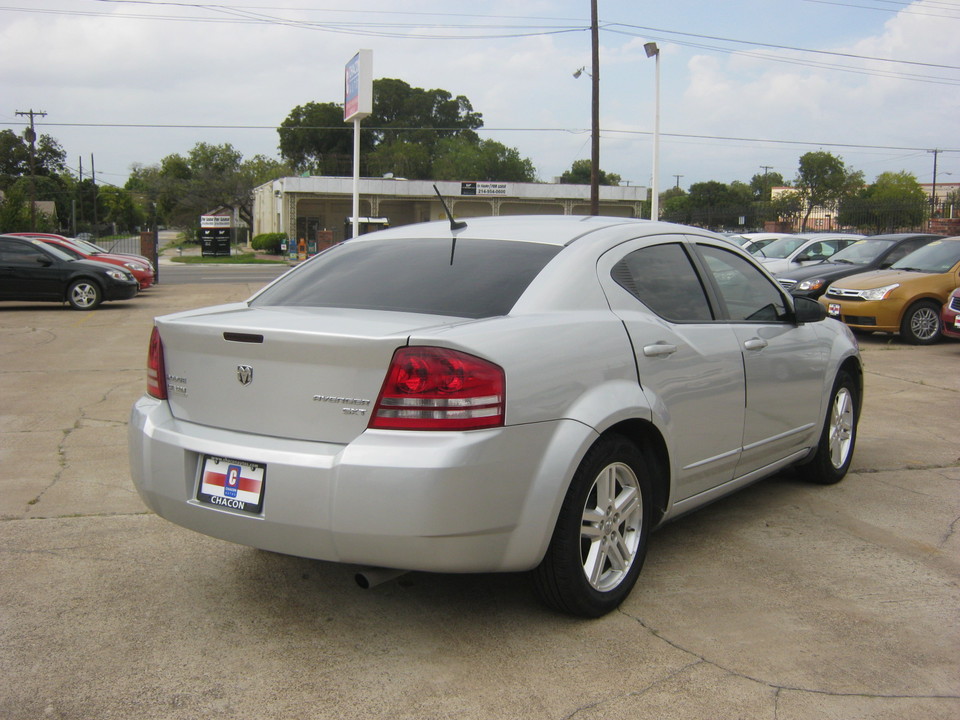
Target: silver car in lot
<point>516,394</point>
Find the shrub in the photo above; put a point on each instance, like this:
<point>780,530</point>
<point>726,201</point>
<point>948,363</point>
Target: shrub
<point>269,242</point>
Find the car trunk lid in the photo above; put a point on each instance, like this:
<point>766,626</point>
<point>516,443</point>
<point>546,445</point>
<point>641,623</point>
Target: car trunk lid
<point>300,373</point>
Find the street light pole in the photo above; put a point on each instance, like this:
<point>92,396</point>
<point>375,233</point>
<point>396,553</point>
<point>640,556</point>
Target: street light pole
<point>653,51</point>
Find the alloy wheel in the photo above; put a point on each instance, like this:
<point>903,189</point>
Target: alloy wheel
<point>612,526</point>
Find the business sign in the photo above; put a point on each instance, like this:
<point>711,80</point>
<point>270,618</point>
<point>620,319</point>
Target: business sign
<point>215,221</point>
<point>358,86</point>
<point>483,188</point>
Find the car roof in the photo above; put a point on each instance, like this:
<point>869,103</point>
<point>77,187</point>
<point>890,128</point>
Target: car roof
<point>904,236</point>
<point>557,230</point>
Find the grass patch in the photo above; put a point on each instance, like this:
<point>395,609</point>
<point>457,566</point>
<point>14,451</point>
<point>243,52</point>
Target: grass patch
<point>243,259</point>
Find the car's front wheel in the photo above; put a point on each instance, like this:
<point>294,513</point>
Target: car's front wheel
<point>84,295</point>
<point>921,323</point>
<point>600,539</point>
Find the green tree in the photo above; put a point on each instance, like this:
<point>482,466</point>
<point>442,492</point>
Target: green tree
<point>406,121</point>
<point>418,115</point>
<point>14,210</point>
<point>894,201</point>
<point>461,158</point>
<point>314,138</point>
<point>786,206</point>
<point>401,158</point>
<point>180,188</point>
<point>49,157</point>
<point>675,205</point>
<point>761,185</point>
<point>823,181</point>
<point>579,174</point>
<point>119,208</point>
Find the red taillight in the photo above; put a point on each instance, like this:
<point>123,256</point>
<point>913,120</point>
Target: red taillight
<point>156,372</point>
<point>430,388</point>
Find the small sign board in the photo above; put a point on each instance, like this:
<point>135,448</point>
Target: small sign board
<point>483,188</point>
<point>215,221</point>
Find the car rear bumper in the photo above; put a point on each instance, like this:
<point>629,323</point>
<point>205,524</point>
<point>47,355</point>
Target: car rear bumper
<point>480,501</point>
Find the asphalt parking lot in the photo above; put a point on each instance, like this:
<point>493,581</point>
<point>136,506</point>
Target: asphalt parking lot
<point>785,601</point>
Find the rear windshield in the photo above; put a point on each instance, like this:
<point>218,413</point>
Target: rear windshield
<point>472,279</point>
<point>862,251</point>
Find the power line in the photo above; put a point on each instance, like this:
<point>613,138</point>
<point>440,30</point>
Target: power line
<point>246,14</point>
<point>575,131</point>
<point>755,43</point>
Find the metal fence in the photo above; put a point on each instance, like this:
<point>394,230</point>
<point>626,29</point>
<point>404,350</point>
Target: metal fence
<point>128,245</point>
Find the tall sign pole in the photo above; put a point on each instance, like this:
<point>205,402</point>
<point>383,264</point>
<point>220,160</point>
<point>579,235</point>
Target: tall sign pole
<point>357,104</point>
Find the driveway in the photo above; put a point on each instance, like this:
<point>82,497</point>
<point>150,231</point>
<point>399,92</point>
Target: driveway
<point>784,601</point>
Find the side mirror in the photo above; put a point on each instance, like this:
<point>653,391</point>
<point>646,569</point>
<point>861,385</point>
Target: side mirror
<point>807,310</point>
<point>44,261</point>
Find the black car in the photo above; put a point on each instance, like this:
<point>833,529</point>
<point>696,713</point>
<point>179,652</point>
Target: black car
<point>876,252</point>
<point>32,270</point>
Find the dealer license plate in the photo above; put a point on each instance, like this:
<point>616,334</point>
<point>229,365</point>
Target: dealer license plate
<point>833,310</point>
<point>229,483</point>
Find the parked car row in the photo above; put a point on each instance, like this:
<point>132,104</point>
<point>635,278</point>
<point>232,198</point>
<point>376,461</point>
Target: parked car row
<point>45,267</point>
<point>900,283</point>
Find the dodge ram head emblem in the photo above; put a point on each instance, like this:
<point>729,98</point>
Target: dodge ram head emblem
<point>244,374</point>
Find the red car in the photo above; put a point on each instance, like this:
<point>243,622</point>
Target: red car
<point>141,269</point>
<point>950,316</point>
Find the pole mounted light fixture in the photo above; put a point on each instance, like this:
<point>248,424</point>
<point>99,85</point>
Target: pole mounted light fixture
<point>653,51</point>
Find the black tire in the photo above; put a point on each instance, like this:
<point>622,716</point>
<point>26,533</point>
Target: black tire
<point>84,295</point>
<point>831,461</point>
<point>921,323</point>
<point>600,540</point>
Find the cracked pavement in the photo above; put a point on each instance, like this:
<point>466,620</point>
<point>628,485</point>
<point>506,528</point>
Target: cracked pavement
<point>782,602</point>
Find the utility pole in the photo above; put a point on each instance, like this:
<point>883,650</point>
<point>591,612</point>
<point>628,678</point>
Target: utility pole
<point>80,190</point>
<point>93,176</point>
<point>31,135</point>
<point>766,184</point>
<point>595,112</point>
<point>678,180</point>
<point>933,193</point>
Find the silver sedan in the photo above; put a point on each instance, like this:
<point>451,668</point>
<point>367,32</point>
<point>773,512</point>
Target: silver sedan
<point>516,394</point>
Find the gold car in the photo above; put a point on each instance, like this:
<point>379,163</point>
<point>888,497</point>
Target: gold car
<point>905,299</point>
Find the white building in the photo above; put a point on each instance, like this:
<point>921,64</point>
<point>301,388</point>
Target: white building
<point>308,208</point>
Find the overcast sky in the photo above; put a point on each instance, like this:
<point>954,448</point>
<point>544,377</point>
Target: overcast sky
<point>746,84</point>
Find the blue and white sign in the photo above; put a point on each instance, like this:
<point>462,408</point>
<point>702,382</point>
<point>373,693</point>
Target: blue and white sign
<point>358,86</point>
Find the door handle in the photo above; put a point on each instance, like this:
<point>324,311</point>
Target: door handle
<point>755,344</point>
<point>660,349</point>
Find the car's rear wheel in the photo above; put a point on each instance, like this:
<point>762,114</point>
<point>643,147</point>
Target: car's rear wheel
<point>834,452</point>
<point>600,540</point>
<point>84,295</point>
<point>921,323</point>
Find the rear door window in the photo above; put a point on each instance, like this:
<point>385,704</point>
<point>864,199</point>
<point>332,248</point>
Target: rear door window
<point>663,279</point>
